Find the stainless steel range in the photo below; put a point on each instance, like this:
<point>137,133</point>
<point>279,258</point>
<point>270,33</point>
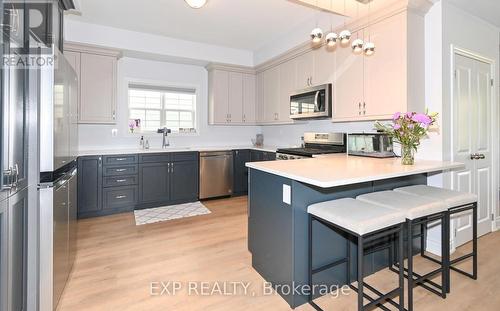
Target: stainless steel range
<point>315,144</point>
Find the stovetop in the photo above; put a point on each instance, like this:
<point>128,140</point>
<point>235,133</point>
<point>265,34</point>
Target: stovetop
<point>311,151</point>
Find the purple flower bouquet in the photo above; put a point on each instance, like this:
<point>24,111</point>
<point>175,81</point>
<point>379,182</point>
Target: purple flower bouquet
<point>408,129</point>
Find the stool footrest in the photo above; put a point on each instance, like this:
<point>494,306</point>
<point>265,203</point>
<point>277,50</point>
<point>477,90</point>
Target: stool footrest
<point>470,275</point>
<point>461,258</point>
<point>377,301</point>
<point>420,280</point>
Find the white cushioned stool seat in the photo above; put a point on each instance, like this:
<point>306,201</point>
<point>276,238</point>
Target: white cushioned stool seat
<point>356,216</point>
<point>413,206</point>
<point>451,197</point>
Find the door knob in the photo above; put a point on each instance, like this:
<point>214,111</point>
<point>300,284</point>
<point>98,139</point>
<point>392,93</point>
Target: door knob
<point>481,156</point>
<point>474,156</point>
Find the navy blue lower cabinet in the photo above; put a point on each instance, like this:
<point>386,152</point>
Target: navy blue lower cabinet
<point>184,181</point>
<point>89,186</point>
<point>240,175</point>
<point>154,184</point>
<point>278,232</point>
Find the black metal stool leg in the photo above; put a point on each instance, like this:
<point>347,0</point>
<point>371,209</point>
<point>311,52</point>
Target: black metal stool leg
<point>423,239</point>
<point>446,255</point>
<point>401,271</point>
<point>360,273</point>
<point>444,245</point>
<point>410,264</point>
<point>474,241</point>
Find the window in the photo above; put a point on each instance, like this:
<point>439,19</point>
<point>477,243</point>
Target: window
<point>151,108</point>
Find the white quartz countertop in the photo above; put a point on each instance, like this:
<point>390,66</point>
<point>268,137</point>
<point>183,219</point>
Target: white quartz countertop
<point>116,151</point>
<point>340,169</point>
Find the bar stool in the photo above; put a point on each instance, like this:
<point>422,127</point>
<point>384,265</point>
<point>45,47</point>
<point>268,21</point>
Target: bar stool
<point>457,202</point>
<point>367,222</point>
<point>418,211</point>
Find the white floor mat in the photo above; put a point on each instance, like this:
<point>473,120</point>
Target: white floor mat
<point>164,213</point>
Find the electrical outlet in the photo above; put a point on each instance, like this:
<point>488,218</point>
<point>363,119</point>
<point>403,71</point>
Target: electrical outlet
<point>114,132</point>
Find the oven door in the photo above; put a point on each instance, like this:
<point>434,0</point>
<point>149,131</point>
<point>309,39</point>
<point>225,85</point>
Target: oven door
<point>310,103</point>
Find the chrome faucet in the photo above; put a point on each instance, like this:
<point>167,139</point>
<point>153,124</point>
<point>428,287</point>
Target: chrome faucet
<point>165,132</point>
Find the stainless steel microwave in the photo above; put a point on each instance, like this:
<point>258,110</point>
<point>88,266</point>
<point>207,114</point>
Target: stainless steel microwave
<point>312,103</point>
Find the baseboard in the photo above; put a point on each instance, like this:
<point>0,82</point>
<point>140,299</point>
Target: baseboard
<point>497,225</point>
<point>433,247</point>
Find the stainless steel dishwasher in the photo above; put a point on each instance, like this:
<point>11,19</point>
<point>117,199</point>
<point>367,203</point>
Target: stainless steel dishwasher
<point>216,174</point>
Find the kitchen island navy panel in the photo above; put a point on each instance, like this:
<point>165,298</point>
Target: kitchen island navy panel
<point>277,231</point>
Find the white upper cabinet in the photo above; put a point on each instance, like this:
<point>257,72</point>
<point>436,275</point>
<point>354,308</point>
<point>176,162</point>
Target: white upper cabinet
<point>288,85</point>
<point>235,107</point>
<point>271,95</point>
<point>384,71</point>
<point>324,65</point>
<point>392,79</point>
<point>231,96</point>
<point>305,69</point>
<point>218,93</point>
<point>98,89</point>
<point>348,85</point>
<point>249,95</point>
<point>97,81</point>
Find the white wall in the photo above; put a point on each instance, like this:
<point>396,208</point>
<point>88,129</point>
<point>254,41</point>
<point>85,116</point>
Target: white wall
<point>153,46</point>
<point>289,135</point>
<point>100,136</point>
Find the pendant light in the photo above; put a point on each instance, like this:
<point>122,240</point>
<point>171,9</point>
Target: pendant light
<point>345,35</point>
<point>331,37</point>
<point>316,33</point>
<point>357,45</point>
<point>369,46</point>
<point>196,4</point>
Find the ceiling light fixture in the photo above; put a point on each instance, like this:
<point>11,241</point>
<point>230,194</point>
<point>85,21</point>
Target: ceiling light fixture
<point>369,47</point>
<point>331,37</point>
<point>357,45</point>
<point>316,33</point>
<point>196,4</point>
<point>345,35</point>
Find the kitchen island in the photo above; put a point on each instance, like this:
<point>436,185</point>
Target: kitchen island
<point>281,191</point>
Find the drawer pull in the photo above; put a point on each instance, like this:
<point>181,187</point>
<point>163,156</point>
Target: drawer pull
<point>120,197</point>
<point>121,169</point>
<point>121,180</point>
<point>121,159</point>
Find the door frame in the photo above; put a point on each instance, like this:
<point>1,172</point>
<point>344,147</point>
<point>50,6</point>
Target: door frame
<point>495,119</point>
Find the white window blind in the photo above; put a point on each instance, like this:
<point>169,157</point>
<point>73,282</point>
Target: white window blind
<point>158,107</point>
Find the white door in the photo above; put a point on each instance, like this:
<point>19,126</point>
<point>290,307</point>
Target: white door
<point>472,135</point>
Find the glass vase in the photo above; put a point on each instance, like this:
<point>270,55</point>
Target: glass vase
<point>407,155</point>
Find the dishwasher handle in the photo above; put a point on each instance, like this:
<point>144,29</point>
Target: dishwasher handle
<point>216,154</point>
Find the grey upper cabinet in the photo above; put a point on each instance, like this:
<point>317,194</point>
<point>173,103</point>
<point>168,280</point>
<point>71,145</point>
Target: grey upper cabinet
<point>97,75</point>
<point>89,185</point>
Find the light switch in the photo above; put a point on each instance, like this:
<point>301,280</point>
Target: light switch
<point>114,132</point>
<point>287,194</point>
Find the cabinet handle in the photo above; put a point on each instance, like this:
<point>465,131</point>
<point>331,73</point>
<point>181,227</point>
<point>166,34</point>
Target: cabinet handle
<point>120,197</point>
<point>114,115</point>
<point>172,170</point>
<point>121,169</point>
<point>121,159</point>
<point>364,105</point>
<point>359,105</point>
<point>121,180</point>
<point>311,81</point>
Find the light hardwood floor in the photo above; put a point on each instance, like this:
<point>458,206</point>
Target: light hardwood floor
<point>117,261</point>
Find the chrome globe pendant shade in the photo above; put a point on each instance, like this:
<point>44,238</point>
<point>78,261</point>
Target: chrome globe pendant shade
<point>331,39</point>
<point>316,35</point>
<point>357,46</point>
<point>196,4</point>
<point>369,48</point>
<point>345,37</point>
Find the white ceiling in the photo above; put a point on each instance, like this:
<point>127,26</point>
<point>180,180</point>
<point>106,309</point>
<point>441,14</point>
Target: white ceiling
<point>241,24</point>
<point>489,10</point>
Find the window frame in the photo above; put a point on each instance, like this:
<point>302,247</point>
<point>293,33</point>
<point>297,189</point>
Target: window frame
<point>155,86</point>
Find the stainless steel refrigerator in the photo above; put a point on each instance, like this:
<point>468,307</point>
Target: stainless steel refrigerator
<point>58,176</point>
<point>18,165</point>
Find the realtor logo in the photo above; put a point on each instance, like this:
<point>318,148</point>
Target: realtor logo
<point>27,33</point>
